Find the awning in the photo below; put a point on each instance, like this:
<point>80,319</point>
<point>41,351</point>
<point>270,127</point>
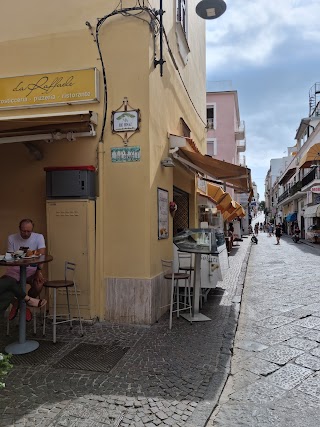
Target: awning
<point>312,211</point>
<point>291,217</point>
<point>237,177</point>
<point>289,173</point>
<point>238,212</point>
<point>216,192</point>
<point>312,156</point>
<point>47,127</point>
<point>224,202</point>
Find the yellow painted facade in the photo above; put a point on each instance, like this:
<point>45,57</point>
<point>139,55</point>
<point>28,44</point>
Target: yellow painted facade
<point>54,39</point>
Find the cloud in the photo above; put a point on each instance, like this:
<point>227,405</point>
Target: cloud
<point>269,52</point>
<point>251,31</point>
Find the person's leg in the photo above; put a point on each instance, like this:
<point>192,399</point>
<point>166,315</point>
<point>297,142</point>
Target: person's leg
<point>35,286</point>
<point>9,288</point>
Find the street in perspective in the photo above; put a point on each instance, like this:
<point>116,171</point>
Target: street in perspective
<point>194,374</point>
<point>160,213</point>
<point>274,378</point>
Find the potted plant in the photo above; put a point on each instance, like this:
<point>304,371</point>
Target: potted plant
<point>5,367</point>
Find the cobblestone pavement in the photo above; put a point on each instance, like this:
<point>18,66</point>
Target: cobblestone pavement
<point>275,368</point>
<point>130,376</point>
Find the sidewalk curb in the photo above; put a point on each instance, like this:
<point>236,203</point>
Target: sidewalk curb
<point>204,409</point>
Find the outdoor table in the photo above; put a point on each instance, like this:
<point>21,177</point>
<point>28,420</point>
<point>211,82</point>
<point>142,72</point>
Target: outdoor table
<point>24,346</point>
<point>196,315</point>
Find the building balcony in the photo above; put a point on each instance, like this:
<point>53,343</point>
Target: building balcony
<point>291,192</point>
<point>312,179</point>
<point>241,146</point>
<point>210,124</point>
<point>240,131</point>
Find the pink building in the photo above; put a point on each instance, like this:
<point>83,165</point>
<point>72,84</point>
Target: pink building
<point>226,133</point>
<point>226,137</point>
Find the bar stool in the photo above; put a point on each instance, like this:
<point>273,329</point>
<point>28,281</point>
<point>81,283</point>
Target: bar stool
<point>67,283</point>
<point>186,264</point>
<point>167,266</point>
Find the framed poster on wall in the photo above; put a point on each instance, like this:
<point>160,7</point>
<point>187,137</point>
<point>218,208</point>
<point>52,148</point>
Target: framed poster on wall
<point>163,213</point>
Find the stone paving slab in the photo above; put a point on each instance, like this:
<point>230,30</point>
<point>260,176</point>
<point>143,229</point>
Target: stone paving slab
<point>165,378</point>
<point>282,387</point>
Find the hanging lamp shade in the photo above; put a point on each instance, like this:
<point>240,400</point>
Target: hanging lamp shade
<point>210,9</point>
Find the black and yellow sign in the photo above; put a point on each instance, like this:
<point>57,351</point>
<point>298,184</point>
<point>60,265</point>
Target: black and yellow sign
<point>50,89</point>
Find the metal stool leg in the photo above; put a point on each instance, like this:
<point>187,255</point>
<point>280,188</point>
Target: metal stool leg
<point>44,321</point>
<point>79,315</point>
<point>69,312</point>
<point>171,301</point>
<point>54,324</point>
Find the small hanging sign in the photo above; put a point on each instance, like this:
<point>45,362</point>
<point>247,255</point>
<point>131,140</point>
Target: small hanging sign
<point>125,154</point>
<point>125,121</point>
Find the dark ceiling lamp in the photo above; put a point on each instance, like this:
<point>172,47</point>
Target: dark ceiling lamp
<point>210,9</point>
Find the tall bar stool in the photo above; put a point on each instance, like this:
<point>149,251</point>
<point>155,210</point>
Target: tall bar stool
<point>186,265</point>
<point>67,283</point>
<point>167,266</point>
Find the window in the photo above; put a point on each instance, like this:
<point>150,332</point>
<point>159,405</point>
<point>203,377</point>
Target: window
<point>185,128</point>
<point>182,29</point>
<point>211,119</point>
<point>212,146</point>
<point>182,14</point>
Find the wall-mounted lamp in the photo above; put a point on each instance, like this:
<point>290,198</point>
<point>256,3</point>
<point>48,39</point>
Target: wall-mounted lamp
<point>210,9</point>
<point>167,162</point>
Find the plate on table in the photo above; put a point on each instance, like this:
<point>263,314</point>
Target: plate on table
<point>31,256</point>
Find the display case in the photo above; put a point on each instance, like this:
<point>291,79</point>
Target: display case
<point>199,240</point>
<point>210,215</point>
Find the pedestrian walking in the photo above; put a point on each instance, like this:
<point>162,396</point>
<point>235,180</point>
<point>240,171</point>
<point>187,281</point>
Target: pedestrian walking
<point>256,228</point>
<point>270,229</point>
<point>278,233</point>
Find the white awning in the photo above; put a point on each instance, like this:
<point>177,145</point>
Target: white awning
<point>312,211</point>
<point>47,127</point>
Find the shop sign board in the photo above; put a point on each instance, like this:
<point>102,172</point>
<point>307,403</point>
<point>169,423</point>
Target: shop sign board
<point>125,154</point>
<point>315,189</point>
<point>49,89</point>
<point>163,213</point>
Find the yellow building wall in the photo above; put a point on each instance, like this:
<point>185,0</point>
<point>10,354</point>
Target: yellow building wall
<point>46,40</point>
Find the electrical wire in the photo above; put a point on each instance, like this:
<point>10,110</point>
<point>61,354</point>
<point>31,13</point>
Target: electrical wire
<point>154,24</point>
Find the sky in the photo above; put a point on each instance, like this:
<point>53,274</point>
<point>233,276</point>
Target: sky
<point>268,51</point>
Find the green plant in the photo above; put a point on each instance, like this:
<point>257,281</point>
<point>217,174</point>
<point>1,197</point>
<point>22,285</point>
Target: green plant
<point>5,367</point>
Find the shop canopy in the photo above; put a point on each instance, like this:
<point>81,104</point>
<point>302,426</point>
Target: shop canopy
<point>47,127</point>
<point>312,211</point>
<point>235,176</point>
<point>312,156</point>
<point>228,207</point>
<point>291,217</point>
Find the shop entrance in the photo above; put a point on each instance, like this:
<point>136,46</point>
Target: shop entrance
<point>181,218</point>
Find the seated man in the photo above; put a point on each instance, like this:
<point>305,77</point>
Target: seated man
<point>9,289</point>
<point>26,238</point>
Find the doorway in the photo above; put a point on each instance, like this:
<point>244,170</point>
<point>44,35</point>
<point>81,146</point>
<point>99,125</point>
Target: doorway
<point>181,218</point>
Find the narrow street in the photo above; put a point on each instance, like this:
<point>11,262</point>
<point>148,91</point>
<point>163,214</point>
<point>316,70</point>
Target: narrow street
<point>275,366</point>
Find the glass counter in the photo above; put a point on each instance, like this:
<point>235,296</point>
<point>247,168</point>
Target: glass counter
<point>199,240</point>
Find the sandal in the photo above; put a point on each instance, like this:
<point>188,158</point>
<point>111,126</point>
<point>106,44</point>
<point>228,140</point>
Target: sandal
<point>41,303</point>
<point>14,310</point>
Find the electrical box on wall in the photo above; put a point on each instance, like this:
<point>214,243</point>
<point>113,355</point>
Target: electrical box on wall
<point>70,182</point>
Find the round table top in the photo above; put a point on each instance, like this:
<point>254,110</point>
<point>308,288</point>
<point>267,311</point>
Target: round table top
<point>27,261</point>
